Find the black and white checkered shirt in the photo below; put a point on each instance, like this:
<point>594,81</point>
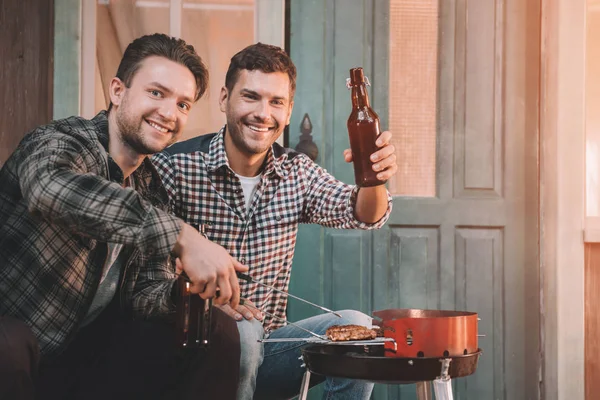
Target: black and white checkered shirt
<point>292,190</point>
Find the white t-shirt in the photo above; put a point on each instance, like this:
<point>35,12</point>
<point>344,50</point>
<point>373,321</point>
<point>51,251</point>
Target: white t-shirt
<point>249,185</point>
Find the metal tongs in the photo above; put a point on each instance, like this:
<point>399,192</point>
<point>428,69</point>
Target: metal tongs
<point>316,335</point>
<point>249,279</point>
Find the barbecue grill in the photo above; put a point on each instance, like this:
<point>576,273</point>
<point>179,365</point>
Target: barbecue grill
<point>419,346</point>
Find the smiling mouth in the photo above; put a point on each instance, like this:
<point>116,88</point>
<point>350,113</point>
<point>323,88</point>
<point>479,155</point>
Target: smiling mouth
<point>258,128</point>
<point>158,127</point>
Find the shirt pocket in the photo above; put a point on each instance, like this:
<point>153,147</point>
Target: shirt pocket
<point>276,222</point>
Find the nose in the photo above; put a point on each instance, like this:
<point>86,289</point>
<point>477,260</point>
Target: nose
<point>263,111</point>
<point>168,111</point>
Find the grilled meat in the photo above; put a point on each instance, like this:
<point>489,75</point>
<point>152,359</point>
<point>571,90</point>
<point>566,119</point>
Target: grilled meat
<point>339,333</point>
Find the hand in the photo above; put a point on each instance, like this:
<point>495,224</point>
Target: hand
<point>248,311</point>
<point>208,266</point>
<point>384,159</point>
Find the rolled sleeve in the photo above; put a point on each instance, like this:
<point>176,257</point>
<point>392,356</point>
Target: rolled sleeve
<point>356,224</point>
<point>330,202</point>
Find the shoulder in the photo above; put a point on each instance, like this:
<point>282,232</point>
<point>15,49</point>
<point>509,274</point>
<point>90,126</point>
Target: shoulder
<point>196,144</point>
<point>294,160</point>
<point>291,154</point>
<point>68,134</point>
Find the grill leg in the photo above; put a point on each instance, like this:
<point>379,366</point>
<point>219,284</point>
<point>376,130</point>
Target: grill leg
<point>443,389</point>
<point>424,391</point>
<point>305,385</point>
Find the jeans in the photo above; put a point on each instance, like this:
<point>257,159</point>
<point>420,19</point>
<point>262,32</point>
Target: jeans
<point>274,370</point>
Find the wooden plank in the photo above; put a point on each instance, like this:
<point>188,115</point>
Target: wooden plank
<point>520,136</point>
<point>108,50</point>
<point>414,268</point>
<point>269,22</point>
<point>447,114</point>
<point>67,51</point>
<point>348,271</point>
<point>480,288</point>
<point>479,74</point>
<point>381,66</point>
<point>478,107</point>
<point>26,68</point>
<point>88,59</point>
<point>592,320</point>
<point>307,26</point>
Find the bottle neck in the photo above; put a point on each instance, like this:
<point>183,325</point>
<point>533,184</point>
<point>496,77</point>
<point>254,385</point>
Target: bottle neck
<point>360,97</point>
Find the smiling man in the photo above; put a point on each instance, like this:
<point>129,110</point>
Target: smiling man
<point>249,194</point>
<point>86,236</point>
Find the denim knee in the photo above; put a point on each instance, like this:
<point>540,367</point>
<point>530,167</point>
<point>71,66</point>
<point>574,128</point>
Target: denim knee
<point>252,351</point>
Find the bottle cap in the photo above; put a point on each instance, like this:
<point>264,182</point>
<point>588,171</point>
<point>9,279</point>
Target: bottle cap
<point>357,77</point>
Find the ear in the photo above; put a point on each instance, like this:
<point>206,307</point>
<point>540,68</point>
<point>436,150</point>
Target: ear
<point>223,98</point>
<point>116,90</point>
<point>290,113</point>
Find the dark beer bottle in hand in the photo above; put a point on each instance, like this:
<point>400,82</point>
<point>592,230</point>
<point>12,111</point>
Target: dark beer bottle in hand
<point>363,130</point>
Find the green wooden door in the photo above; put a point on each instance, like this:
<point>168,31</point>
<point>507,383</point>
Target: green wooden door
<point>474,246</point>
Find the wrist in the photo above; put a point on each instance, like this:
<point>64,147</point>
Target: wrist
<point>184,237</point>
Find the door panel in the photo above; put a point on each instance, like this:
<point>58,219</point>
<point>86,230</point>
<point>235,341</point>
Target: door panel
<point>474,246</point>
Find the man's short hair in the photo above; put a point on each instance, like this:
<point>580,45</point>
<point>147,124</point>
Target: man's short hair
<point>171,48</point>
<point>263,57</point>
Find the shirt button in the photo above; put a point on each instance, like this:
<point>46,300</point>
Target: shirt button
<point>243,261</point>
<point>278,217</point>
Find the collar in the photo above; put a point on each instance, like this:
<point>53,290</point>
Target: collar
<point>217,157</point>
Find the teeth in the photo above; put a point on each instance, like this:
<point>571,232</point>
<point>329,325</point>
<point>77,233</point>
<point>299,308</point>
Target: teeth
<point>257,129</point>
<point>158,127</point>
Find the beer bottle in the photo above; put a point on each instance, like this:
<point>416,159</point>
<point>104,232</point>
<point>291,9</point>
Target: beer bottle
<point>363,130</point>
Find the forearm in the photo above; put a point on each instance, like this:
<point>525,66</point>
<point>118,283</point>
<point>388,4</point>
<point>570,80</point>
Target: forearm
<point>371,204</point>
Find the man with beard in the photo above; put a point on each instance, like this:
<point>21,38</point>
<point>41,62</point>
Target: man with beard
<point>86,236</point>
<point>249,194</point>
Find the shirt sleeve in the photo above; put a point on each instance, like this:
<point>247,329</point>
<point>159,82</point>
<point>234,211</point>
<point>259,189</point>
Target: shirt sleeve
<point>152,294</point>
<point>331,203</point>
<point>60,183</point>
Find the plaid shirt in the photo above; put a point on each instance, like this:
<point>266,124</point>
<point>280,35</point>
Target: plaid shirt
<point>58,210</point>
<point>292,190</point>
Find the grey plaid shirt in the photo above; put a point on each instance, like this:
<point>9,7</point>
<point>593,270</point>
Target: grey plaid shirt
<point>293,190</point>
<point>61,202</point>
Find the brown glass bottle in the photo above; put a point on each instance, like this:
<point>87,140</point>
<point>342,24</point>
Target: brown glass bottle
<point>363,130</point>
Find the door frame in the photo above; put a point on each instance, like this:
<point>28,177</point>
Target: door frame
<point>562,198</point>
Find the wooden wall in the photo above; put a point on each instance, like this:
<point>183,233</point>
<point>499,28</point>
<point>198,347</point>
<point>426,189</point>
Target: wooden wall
<point>26,67</point>
<point>592,321</point>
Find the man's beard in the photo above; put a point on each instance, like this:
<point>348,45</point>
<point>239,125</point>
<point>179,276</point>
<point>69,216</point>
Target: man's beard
<point>244,144</point>
<point>131,134</point>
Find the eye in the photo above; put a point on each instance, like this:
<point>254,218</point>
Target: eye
<point>278,102</point>
<point>184,107</point>
<point>155,93</point>
<point>249,96</point>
